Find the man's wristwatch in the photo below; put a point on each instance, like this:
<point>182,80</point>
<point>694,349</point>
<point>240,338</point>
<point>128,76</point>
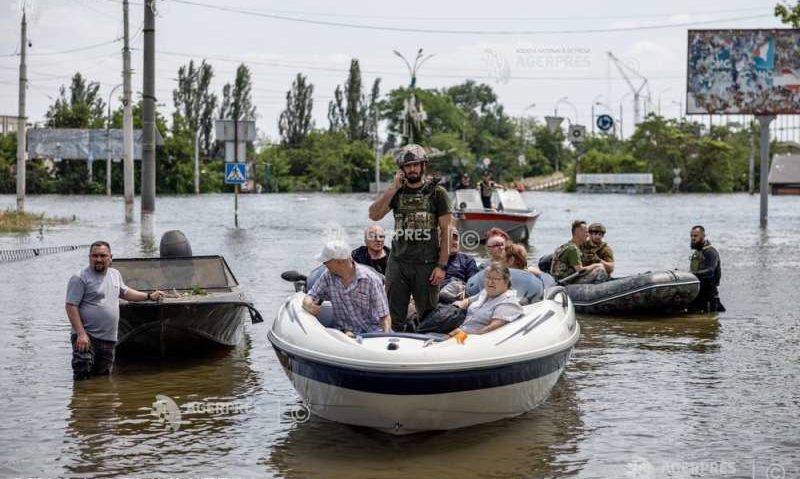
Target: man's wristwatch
<point>148,296</point>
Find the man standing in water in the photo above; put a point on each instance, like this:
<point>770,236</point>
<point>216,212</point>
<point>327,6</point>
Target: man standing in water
<point>706,265</point>
<point>418,260</point>
<point>93,310</point>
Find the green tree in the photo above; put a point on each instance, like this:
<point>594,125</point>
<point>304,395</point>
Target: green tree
<point>788,13</point>
<point>82,108</point>
<point>295,121</point>
<point>194,101</point>
<point>351,111</point>
<point>237,99</point>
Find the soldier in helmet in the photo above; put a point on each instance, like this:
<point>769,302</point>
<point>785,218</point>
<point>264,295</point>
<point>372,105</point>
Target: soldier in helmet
<point>567,259</point>
<point>418,258</point>
<point>595,250</point>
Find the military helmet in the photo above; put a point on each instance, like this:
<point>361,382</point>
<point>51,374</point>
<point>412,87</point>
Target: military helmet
<point>597,228</point>
<point>410,154</point>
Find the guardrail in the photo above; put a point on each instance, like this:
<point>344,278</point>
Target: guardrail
<point>20,254</point>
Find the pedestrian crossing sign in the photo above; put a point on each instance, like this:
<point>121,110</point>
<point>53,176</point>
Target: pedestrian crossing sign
<point>235,173</point>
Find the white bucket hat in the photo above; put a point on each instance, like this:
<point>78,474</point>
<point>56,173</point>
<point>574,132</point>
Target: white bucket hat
<point>336,249</point>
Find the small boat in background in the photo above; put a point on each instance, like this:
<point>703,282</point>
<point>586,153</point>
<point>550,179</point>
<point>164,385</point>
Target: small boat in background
<point>204,309</point>
<point>511,214</point>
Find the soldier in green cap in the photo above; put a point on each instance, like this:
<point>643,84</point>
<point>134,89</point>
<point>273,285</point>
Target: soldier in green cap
<point>418,259</point>
<point>567,260</point>
<point>595,250</point>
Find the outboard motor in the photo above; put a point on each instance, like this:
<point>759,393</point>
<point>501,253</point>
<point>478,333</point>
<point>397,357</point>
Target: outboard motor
<point>174,244</point>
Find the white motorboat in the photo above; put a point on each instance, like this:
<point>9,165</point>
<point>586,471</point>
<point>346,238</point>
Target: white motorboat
<point>511,214</point>
<point>403,383</point>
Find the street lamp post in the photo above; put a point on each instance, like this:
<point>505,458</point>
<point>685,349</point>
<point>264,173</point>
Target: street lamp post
<point>108,141</point>
<point>411,109</point>
<point>563,99</point>
<point>521,126</point>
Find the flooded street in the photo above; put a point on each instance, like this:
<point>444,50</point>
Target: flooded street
<point>674,397</point>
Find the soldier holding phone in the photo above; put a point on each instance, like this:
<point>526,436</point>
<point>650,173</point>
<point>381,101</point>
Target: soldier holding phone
<point>418,258</point>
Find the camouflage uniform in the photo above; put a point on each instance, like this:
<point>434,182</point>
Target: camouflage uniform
<point>591,253</point>
<point>565,259</point>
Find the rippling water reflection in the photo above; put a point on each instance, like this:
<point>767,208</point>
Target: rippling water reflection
<point>684,396</point>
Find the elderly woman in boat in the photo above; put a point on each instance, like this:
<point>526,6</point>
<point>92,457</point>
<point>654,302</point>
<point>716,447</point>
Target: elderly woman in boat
<point>495,306</point>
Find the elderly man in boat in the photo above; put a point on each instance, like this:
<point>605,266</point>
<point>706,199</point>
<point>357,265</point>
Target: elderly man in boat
<point>495,306</point>
<point>355,291</point>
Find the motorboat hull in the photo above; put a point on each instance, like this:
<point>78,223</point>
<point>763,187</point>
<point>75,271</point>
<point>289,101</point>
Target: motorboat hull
<point>652,293</point>
<point>181,327</point>
<point>406,383</point>
<point>410,403</point>
<point>518,226</point>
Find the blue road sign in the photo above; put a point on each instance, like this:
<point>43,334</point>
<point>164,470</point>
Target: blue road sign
<point>235,173</point>
<point>605,122</point>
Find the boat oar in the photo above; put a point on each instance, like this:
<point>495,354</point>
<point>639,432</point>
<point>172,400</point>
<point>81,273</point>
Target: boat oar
<point>568,279</point>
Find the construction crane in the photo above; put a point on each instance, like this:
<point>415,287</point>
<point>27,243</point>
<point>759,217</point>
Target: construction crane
<point>622,67</point>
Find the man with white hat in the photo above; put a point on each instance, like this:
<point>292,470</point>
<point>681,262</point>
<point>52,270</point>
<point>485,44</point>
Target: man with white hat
<point>355,291</point>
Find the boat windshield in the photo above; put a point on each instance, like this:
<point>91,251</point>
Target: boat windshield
<point>197,272</point>
<point>468,200</point>
<point>511,200</point>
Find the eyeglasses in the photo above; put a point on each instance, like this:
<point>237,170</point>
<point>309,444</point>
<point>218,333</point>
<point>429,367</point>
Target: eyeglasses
<point>376,238</point>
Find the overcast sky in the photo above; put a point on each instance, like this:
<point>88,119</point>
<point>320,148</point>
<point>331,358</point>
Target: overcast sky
<point>530,52</point>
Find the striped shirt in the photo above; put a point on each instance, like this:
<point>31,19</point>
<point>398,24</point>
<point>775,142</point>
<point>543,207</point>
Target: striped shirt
<point>357,307</point>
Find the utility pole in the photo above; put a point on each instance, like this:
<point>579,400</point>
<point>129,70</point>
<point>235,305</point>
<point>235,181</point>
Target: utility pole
<point>751,163</point>
<point>149,121</point>
<point>764,121</point>
<point>21,118</point>
<point>127,120</point>
<point>108,142</point>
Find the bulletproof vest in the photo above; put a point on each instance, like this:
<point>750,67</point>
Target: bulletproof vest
<point>414,213</point>
<point>697,258</point>
<point>559,269</point>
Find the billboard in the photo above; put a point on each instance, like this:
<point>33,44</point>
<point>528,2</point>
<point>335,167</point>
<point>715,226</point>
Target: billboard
<point>743,72</point>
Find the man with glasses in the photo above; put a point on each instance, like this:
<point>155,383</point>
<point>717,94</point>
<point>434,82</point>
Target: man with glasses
<point>567,260</point>
<point>374,253</point>
<point>594,250</point>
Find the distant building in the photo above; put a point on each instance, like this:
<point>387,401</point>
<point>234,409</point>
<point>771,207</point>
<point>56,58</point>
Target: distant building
<point>8,124</point>
<point>784,175</point>
<point>615,183</point>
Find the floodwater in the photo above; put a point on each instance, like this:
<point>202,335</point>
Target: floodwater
<point>691,396</point>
